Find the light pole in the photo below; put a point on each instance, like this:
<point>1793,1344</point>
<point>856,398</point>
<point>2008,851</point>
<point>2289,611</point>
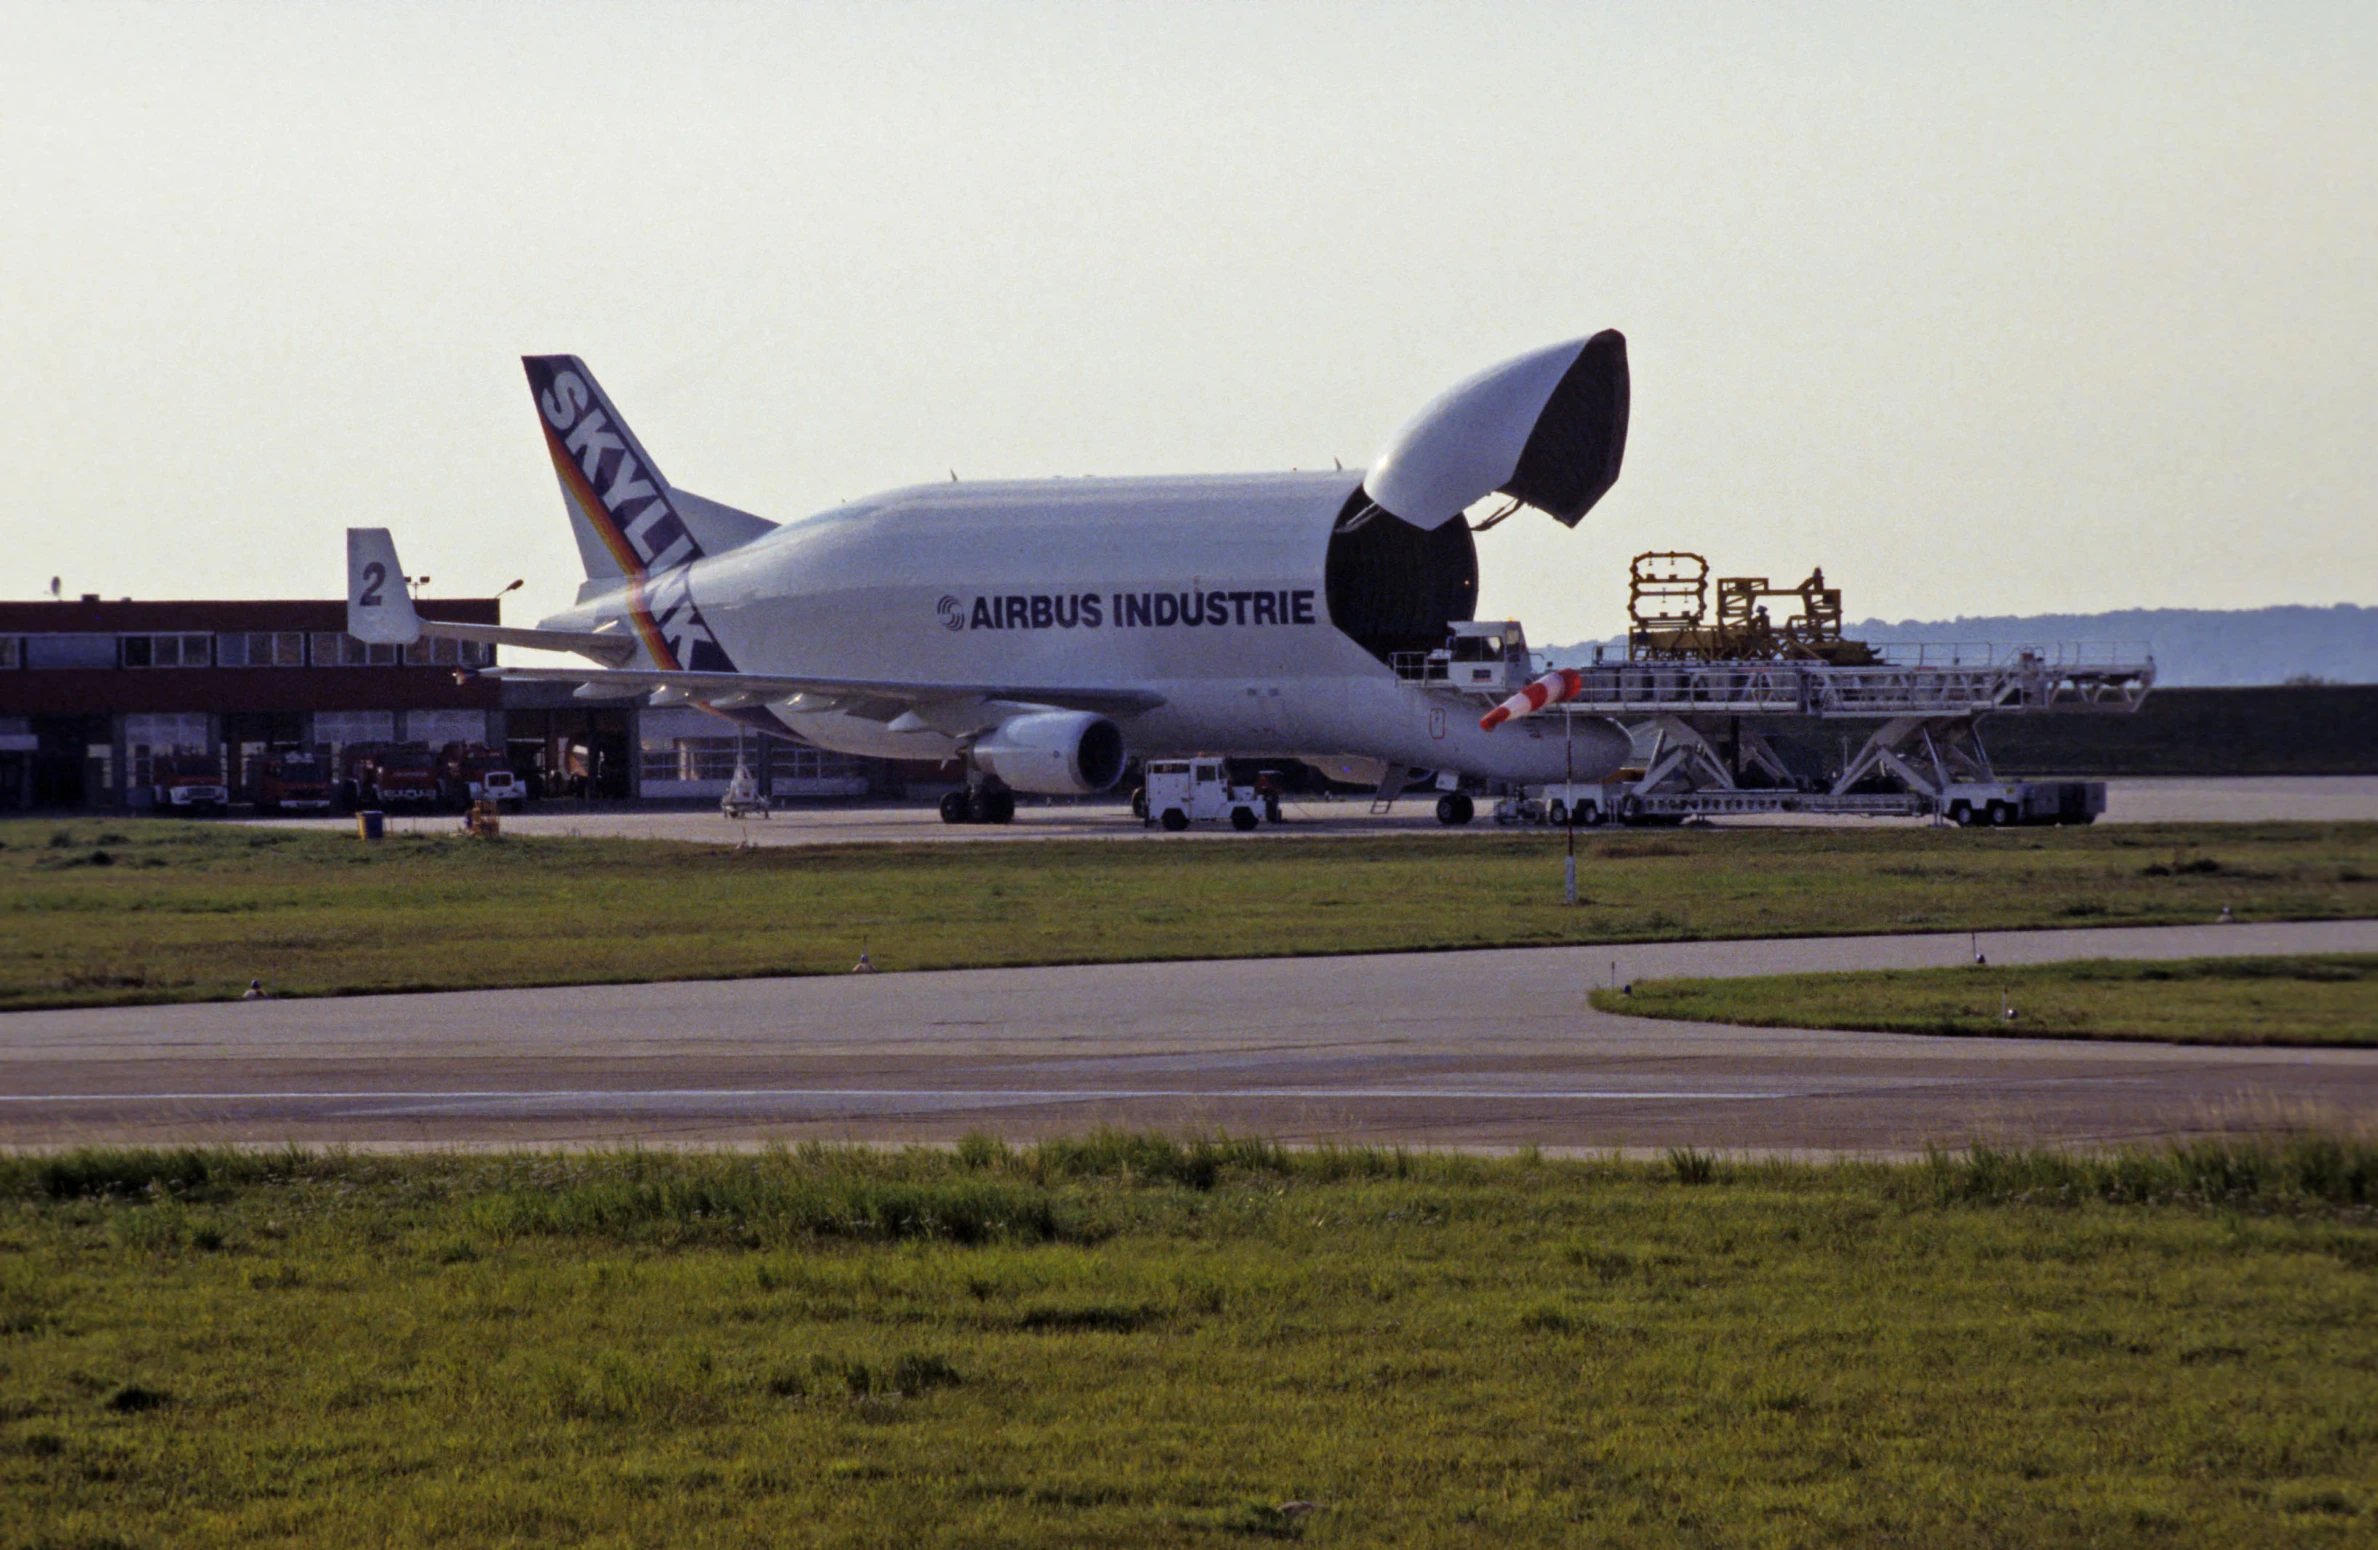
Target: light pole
<point>1569,803</point>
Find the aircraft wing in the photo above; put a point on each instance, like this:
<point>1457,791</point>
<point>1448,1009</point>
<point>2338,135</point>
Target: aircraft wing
<point>874,698</point>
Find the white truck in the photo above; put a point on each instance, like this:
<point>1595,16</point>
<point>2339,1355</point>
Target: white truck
<point>2002,802</point>
<point>1179,792</point>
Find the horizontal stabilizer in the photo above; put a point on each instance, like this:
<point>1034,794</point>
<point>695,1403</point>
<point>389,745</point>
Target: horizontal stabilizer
<point>380,610</point>
<point>613,647</point>
<point>715,527</point>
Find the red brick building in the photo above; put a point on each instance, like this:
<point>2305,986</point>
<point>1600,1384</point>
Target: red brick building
<point>90,691</point>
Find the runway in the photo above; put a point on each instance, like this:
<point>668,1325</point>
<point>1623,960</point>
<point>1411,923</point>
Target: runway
<point>1470,1049</point>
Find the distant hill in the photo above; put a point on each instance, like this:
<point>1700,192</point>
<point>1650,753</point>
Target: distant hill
<point>2193,647</point>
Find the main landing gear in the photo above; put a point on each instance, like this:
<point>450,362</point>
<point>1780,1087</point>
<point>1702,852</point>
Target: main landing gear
<point>979,804</point>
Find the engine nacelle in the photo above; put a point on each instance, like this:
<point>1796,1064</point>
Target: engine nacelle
<point>1054,753</point>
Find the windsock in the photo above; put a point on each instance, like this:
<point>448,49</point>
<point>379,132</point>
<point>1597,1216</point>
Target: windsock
<point>1562,683</point>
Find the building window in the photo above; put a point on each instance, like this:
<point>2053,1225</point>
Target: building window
<point>691,758</point>
<point>278,648</point>
<point>336,649</point>
<point>441,651</point>
<point>440,727</point>
<point>70,651</point>
<point>343,650</point>
<point>169,650</point>
<point>8,651</point>
<point>336,730</point>
<point>149,734</point>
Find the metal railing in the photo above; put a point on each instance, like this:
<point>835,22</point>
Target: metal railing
<point>2053,654</point>
<point>1942,681</point>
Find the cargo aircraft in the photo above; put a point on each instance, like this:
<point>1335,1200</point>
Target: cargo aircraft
<point>1042,632</point>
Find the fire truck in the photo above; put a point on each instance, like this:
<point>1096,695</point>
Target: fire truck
<point>289,780</point>
<point>188,783</point>
<point>389,775</point>
<point>468,773</point>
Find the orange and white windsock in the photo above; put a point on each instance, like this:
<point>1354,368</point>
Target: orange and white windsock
<point>1562,683</point>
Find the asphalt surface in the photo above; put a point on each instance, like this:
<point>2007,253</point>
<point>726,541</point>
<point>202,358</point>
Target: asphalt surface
<point>2244,799</point>
<point>1472,1049</point>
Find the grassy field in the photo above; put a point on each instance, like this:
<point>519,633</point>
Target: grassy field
<point>1125,1340</point>
<point>162,910</point>
<point>2312,999</point>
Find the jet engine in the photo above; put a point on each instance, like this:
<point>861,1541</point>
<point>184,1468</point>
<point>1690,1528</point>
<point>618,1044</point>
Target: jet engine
<point>1053,752</point>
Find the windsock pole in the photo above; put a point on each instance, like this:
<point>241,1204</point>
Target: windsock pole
<point>1562,683</point>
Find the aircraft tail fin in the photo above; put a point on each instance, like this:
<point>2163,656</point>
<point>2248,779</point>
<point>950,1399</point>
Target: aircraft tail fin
<point>628,520</point>
<point>379,608</point>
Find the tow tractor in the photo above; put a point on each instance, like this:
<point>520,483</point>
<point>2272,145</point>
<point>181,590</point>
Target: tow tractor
<point>469,774</point>
<point>742,798</point>
<point>1701,689</point>
<point>1179,792</point>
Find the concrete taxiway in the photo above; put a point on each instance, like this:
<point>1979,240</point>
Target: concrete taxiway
<point>1489,1049</point>
<point>2249,799</point>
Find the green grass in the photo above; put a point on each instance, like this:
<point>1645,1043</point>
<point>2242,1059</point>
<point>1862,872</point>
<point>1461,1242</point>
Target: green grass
<point>161,910</point>
<point>1130,1340</point>
<point>2310,999</point>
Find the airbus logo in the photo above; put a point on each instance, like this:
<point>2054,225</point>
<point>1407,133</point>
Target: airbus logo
<point>953,613</point>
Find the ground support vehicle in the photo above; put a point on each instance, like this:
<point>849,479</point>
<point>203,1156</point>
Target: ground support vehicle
<point>469,773</point>
<point>1999,803</point>
<point>188,784</point>
<point>1180,792</point>
<point>292,782</point>
<point>390,776</point>
<point>742,797</point>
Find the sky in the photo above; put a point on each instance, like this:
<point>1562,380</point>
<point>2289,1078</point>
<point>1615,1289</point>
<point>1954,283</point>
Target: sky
<point>1987,310</point>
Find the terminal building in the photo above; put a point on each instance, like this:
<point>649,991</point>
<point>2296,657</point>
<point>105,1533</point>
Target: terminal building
<point>92,691</point>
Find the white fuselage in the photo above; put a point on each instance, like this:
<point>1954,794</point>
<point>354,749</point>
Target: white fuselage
<point>1206,592</point>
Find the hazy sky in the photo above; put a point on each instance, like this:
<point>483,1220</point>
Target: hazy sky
<point>1986,309</point>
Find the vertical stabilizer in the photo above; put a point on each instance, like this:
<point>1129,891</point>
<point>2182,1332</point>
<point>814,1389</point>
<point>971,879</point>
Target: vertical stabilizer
<point>379,609</point>
<point>626,518</point>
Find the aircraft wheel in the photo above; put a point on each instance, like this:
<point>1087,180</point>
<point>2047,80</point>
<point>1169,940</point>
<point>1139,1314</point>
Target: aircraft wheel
<point>1242,819</point>
<point>994,806</point>
<point>953,808</point>
<point>1454,809</point>
<point>1175,820</point>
